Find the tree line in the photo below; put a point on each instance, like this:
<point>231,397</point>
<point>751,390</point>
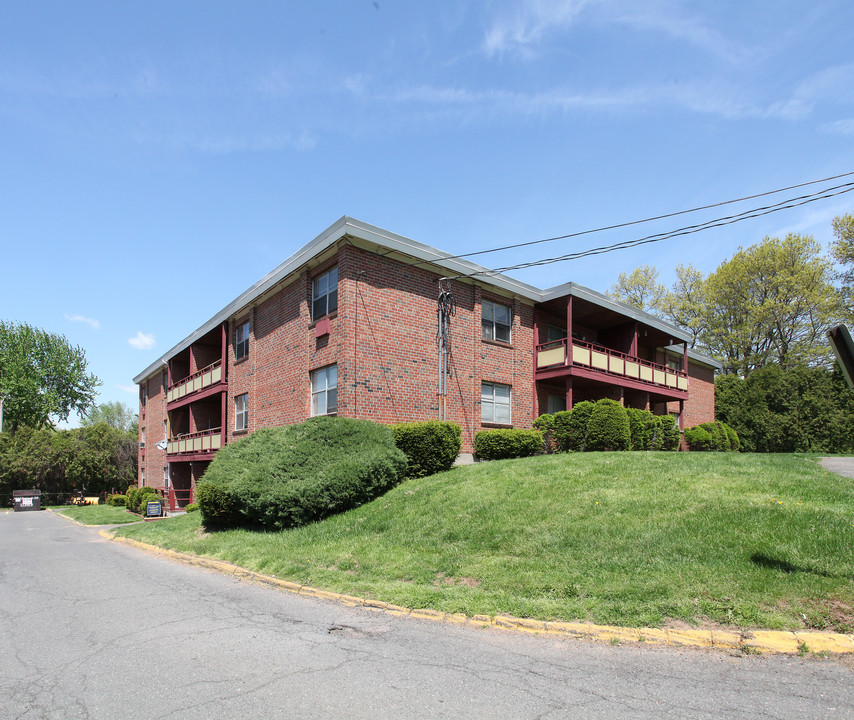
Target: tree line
<point>764,313</point>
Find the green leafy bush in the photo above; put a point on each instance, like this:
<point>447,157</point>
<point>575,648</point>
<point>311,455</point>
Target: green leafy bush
<point>720,439</point>
<point>117,500</point>
<point>191,507</point>
<point>505,443</point>
<point>546,425</point>
<point>642,426</point>
<point>608,427</point>
<point>699,439</point>
<point>734,441</point>
<point>576,426</point>
<point>430,446</point>
<point>562,430</point>
<point>136,498</point>
<point>284,477</point>
<point>666,435</point>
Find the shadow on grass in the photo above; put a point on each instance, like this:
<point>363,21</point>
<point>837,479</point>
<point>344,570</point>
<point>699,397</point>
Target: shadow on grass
<point>770,563</point>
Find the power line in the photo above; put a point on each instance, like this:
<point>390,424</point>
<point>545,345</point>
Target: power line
<point>687,230</point>
<point>638,222</point>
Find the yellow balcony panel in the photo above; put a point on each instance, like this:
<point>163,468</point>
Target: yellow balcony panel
<point>671,380</point>
<point>206,378</point>
<point>682,383</point>
<point>216,441</point>
<point>555,356</point>
<point>182,446</point>
<point>206,442</point>
<point>172,446</point>
<point>580,355</point>
<point>632,369</point>
<point>646,373</point>
<point>616,365</point>
<point>197,384</point>
<point>658,376</point>
<point>216,375</point>
<point>599,360</point>
<point>182,390</point>
<point>197,444</point>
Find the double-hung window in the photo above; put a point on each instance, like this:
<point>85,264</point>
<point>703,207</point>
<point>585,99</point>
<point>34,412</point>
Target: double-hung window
<point>555,403</point>
<point>495,403</point>
<point>241,412</point>
<point>495,321</point>
<point>324,391</point>
<point>241,341</point>
<point>324,294</point>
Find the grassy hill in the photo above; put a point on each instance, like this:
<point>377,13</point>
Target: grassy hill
<point>638,539</point>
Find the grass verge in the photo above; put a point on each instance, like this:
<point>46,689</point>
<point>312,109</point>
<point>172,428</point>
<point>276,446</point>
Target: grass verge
<point>96,514</point>
<point>635,539</point>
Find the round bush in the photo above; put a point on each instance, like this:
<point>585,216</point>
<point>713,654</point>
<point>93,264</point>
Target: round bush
<point>699,439</point>
<point>608,427</point>
<point>546,425</point>
<point>575,432</point>
<point>284,477</point>
<point>430,447</point>
<point>666,435</point>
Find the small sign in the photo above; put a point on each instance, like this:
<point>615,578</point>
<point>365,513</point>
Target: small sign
<point>153,508</point>
<point>25,500</point>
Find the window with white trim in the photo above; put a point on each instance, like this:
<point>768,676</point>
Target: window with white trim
<point>241,412</point>
<point>324,391</point>
<point>241,341</point>
<point>495,321</point>
<point>495,403</point>
<point>324,294</point>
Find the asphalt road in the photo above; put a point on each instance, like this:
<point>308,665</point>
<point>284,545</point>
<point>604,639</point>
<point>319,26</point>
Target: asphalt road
<point>94,629</point>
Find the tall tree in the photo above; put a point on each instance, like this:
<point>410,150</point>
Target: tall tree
<point>42,377</point>
<point>639,289</point>
<point>684,305</point>
<point>842,250</point>
<point>772,302</point>
<point>115,414</point>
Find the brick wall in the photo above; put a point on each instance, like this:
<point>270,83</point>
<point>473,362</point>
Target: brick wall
<point>152,460</point>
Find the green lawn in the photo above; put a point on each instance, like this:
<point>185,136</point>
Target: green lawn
<point>637,539</point>
<point>96,514</point>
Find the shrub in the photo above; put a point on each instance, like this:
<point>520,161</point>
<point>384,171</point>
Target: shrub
<point>576,426</point>
<point>289,476</point>
<point>507,443</point>
<point>608,427</point>
<point>546,425</point>
<point>699,439</point>
<point>720,439</point>
<point>117,500</point>
<point>734,442</point>
<point>430,446</point>
<point>135,498</point>
<point>562,430</point>
<point>642,427</point>
<point>191,507</point>
<point>666,434</point>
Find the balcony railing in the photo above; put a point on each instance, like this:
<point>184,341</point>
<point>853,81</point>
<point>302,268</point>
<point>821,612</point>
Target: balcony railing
<point>199,380</point>
<point>197,442</point>
<point>552,355</point>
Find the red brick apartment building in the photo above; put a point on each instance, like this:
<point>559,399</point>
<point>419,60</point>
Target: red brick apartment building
<point>349,325</point>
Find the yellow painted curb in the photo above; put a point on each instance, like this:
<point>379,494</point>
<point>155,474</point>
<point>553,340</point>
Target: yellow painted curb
<point>763,641</point>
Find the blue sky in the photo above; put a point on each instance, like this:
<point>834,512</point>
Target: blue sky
<point>158,158</point>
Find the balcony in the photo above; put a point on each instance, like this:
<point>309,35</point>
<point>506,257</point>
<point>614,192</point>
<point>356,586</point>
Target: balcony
<point>204,378</point>
<point>205,442</point>
<point>598,363</point>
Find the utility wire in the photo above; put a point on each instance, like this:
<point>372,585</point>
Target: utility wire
<point>688,230</point>
<point>638,222</point>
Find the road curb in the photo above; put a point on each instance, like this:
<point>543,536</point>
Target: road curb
<point>749,641</point>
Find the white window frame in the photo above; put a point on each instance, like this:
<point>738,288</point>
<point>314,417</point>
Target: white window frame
<point>241,341</point>
<point>493,329</point>
<point>166,478</point>
<point>241,412</point>
<point>324,391</point>
<point>324,294</point>
<point>496,403</point>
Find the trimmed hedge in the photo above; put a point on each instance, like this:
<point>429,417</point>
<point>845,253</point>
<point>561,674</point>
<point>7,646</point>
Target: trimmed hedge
<point>666,435</point>
<point>135,498</point>
<point>430,447</point>
<point>117,500</point>
<point>505,443</point>
<point>712,436</point>
<point>546,425</point>
<point>284,477</point>
<point>575,425</point>
<point>608,427</point>
<point>191,507</point>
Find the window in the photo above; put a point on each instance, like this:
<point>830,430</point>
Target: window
<point>673,364</point>
<point>324,391</point>
<point>495,321</point>
<point>324,294</point>
<point>142,437</point>
<point>556,403</point>
<point>166,478</point>
<point>495,403</point>
<point>554,333</point>
<point>241,412</point>
<point>241,341</point>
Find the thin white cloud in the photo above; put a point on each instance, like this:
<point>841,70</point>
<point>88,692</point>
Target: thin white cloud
<point>142,341</point>
<point>130,389</point>
<point>840,127</point>
<point>83,319</point>
<point>522,28</point>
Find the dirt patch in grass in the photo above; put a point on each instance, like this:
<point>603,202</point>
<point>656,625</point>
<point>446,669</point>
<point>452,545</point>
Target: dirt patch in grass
<point>829,614</point>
